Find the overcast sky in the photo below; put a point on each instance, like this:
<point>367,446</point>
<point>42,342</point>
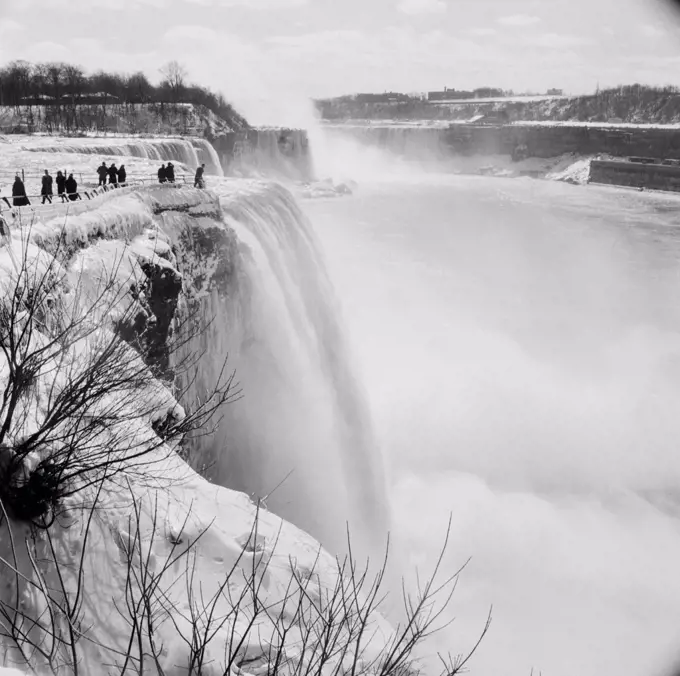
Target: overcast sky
<point>259,49</point>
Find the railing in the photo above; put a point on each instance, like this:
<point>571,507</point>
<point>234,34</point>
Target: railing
<point>86,193</point>
<point>7,178</point>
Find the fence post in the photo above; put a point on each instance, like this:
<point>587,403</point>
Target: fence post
<point>23,177</point>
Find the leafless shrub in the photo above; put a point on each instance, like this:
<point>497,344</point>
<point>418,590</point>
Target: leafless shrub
<point>324,619</point>
<point>77,402</point>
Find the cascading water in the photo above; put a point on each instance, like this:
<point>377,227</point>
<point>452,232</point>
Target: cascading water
<point>208,155</point>
<point>190,152</point>
<point>278,153</point>
<point>301,436</point>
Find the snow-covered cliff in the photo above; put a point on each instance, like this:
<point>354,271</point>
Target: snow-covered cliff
<point>143,560</point>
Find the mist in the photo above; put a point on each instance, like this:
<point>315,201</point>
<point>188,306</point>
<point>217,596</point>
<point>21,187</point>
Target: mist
<point>518,341</point>
<point>522,362</point>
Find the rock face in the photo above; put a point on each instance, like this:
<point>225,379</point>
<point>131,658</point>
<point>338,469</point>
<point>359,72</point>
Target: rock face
<point>168,571</point>
<point>537,140</point>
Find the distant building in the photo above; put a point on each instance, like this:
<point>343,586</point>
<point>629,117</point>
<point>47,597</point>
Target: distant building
<point>89,98</point>
<point>449,95</point>
<point>555,92</point>
<point>488,93</point>
<point>37,99</point>
<point>386,97</point>
<point>462,95</point>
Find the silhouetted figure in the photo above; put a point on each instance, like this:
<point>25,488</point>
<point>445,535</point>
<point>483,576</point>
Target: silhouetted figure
<point>61,186</point>
<point>72,188</point>
<point>46,190</point>
<point>113,174</point>
<point>162,174</point>
<point>19,193</point>
<point>170,172</point>
<point>122,174</point>
<point>198,179</point>
<point>103,173</point>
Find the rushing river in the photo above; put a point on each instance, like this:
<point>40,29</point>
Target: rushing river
<point>520,344</point>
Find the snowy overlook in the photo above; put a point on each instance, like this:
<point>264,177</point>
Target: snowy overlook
<point>130,323</point>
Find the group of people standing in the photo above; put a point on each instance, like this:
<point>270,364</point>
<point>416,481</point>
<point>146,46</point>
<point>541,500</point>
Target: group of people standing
<point>67,189</point>
<point>166,174</point>
<point>114,174</point>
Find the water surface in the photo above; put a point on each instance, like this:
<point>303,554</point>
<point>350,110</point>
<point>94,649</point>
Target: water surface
<point>520,343</point>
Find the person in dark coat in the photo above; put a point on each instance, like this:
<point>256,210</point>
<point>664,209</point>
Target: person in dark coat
<point>122,174</point>
<point>170,172</point>
<point>103,173</point>
<point>162,174</point>
<point>113,174</point>
<point>46,190</point>
<point>72,188</point>
<point>19,193</point>
<point>198,179</point>
<point>61,185</point>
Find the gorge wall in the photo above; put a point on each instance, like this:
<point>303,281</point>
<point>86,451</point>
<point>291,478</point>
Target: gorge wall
<point>423,143</point>
<point>636,175</point>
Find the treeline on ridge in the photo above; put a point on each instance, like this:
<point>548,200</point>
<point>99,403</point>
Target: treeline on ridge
<point>62,84</point>
<point>635,103</point>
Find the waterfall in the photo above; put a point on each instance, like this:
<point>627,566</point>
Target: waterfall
<point>208,155</point>
<point>190,152</point>
<point>278,153</point>
<point>300,436</point>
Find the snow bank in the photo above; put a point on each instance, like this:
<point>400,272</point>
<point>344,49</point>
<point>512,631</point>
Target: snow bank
<point>576,172</point>
<point>570,167</point>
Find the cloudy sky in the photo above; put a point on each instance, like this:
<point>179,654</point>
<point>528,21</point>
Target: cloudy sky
<point>259,49</point>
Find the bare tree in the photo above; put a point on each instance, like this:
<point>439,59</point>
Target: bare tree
<point>323,619</point>
<point>74,80</point>
<point>25,84</point>
<point>175,75</point>
<point>16,78</point>
<point>80,399</point>
<point>139,89</point>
